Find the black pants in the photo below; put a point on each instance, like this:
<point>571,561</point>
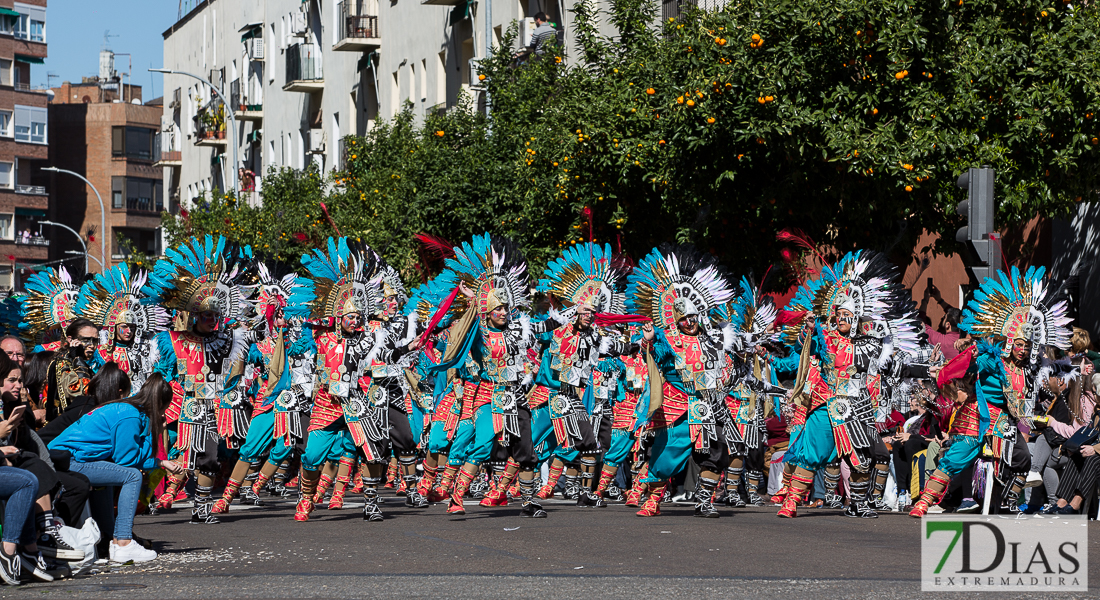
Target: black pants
<point>401,438</point>
<point>715,459</point>
<point>903,458</point>
<point>519,447</point>
<point>1079,477</point>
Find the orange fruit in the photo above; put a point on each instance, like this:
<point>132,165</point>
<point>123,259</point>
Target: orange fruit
<point>439,133</point>
<point>761,100</point>
<point>651,91</point>
<point>908,188</point>
<point>710,121</point>
<point>874,111</point>
<point>481,77</point>
<point>691,103</point>
<point>768,98</point>
<point>756,37</point>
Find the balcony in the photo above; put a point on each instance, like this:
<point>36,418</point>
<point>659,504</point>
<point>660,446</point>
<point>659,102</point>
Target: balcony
<point>303,69</point>
<point>26,87</point>
<point>144,205</point>
<point>31,241</point>
<point>358,32</point>
<point>32,190</point>
<point>210,124</point>
<point>169,158</point>
<point>242,110</point>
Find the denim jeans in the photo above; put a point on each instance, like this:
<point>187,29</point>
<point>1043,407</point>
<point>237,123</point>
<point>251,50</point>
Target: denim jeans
<point>19,488</point>
<point>109,475</point>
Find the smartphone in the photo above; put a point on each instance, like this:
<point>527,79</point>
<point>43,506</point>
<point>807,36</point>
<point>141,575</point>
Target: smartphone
<point>17,412</point>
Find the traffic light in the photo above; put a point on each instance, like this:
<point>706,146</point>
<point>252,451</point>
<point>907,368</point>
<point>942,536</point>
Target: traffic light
<point>982,241</point>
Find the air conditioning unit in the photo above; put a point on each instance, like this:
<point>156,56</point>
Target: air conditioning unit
<point>526,31</point>
<point>316,141</point>
<point>256,49</point>
<point>299,24</point>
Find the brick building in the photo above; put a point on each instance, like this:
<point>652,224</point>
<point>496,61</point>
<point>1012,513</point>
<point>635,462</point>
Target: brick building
<point>23,142</point>
<point>112,143</point>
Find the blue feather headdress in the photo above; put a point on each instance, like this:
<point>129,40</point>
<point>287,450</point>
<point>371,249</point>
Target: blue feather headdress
<point>586,274</point>
<point>1018,306</point>
<point>344,278</point>
<point>50,301</point>
<point>280,288</point>
<point>495,269</point>
<point>428,297</point>
<point>752,313</point>
<point>204,275</point>
<point>115,298</point>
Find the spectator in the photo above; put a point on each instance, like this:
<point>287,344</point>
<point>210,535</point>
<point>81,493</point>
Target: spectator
<point>946,337</point>
<point>109,445</point>
<point>1081,344</point>
<point>1080,475</point>
<point>69,373</point>
<point>23,449</point>
<point>14,348</point>
<point>34,377</point>
<point>109,384</point>
<point>1067,413</point>
<point>18,489</point>
<point>543,35</point>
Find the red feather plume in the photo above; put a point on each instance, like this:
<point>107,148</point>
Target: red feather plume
<point>435,245</point>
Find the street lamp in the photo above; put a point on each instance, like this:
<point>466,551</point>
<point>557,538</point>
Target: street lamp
<point>229,113</point>
<point>79,239</point>
<point>102,219</point>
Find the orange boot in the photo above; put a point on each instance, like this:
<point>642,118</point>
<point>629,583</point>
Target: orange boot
<point>634,497</point>
<point>175,484</point>
<point>222,505</point>
<point>652,506</point>
<point>802,481</point>
<point>307,482</point>
<point>462,483</point>
<point>446,482</point>
<point>427,481</point>
<point>932,494</point>
<point>547,491</point>
<point>498,496</point>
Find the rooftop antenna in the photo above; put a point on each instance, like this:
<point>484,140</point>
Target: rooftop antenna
<point>107,39</point>
<point>49,79</point>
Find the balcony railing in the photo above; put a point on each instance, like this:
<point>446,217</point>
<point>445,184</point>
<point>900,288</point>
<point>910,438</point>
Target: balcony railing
<point>358,30</point>
<point>31,241</point>
<point>144,205</point>
<point>210,124</point>
<point>303,68</point>
<point>242,109</point>
<point>37,190</point>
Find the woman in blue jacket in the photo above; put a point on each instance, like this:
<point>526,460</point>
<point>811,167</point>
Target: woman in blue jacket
<point>111,446</point>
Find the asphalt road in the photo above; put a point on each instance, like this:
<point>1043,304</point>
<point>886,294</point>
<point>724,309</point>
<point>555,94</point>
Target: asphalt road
<point>492,552</point>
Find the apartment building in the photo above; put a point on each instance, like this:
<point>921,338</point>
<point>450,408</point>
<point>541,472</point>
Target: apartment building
<point>301,75</point>
<point>114,143</point>
<point>23,139</point>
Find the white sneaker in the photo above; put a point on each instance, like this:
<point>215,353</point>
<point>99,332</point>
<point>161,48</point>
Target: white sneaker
<point>1033,479</point>
<point>132,552</point>
<point>935,509</point>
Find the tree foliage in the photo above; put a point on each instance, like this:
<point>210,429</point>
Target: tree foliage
<point>848,119</point>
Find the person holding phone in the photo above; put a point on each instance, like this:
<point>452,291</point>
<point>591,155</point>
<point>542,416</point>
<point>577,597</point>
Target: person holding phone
<point>22,448</point>
<point>111,446</point>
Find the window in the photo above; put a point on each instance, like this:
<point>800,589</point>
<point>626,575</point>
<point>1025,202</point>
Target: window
<point>5,123</point>
<point>145,241</point>
<point>30,124</point>
<point>7,24</point>
<point>7,280</point>
<point>7,226</point>
<point>6,170</point>
<point>5,72</point>
<point>132,142</point>
<point>137,194</point>
<point>31,23</point>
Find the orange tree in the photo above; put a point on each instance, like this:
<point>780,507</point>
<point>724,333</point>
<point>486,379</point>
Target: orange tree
<point>848,119</point>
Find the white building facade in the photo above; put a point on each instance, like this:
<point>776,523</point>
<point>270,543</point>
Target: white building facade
<point>299,76</point>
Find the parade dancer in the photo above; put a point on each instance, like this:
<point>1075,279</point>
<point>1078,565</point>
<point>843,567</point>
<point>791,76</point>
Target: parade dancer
<point>1016,319</point>
<point>49,307</point>
<point>752,315</point>
<point>210,280</point>
<point>285,353</point>
<point>127,326</point>
<point>863,314</point>
<point>590,283</point>
<point>491,274</point>
<point>351,411</point>
<point>49,310</point>
<point>678,288</point>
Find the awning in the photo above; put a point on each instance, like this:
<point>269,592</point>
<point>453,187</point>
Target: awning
<point>250,31</point>
<point>34,60</point>
<point>7,12</point>
<point>30,212</point>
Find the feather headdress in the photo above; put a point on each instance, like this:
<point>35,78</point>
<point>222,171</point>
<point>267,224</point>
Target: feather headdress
<point>204,275</point>
<point>279,288</point>
<point>115,298</point>
<point>1018,306</point>
<point>673,281</point>
<point>587,274</point>
<point>495,269</point>
<point>751,312</point>
<point>50,301</point>
<point>345,279</point>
